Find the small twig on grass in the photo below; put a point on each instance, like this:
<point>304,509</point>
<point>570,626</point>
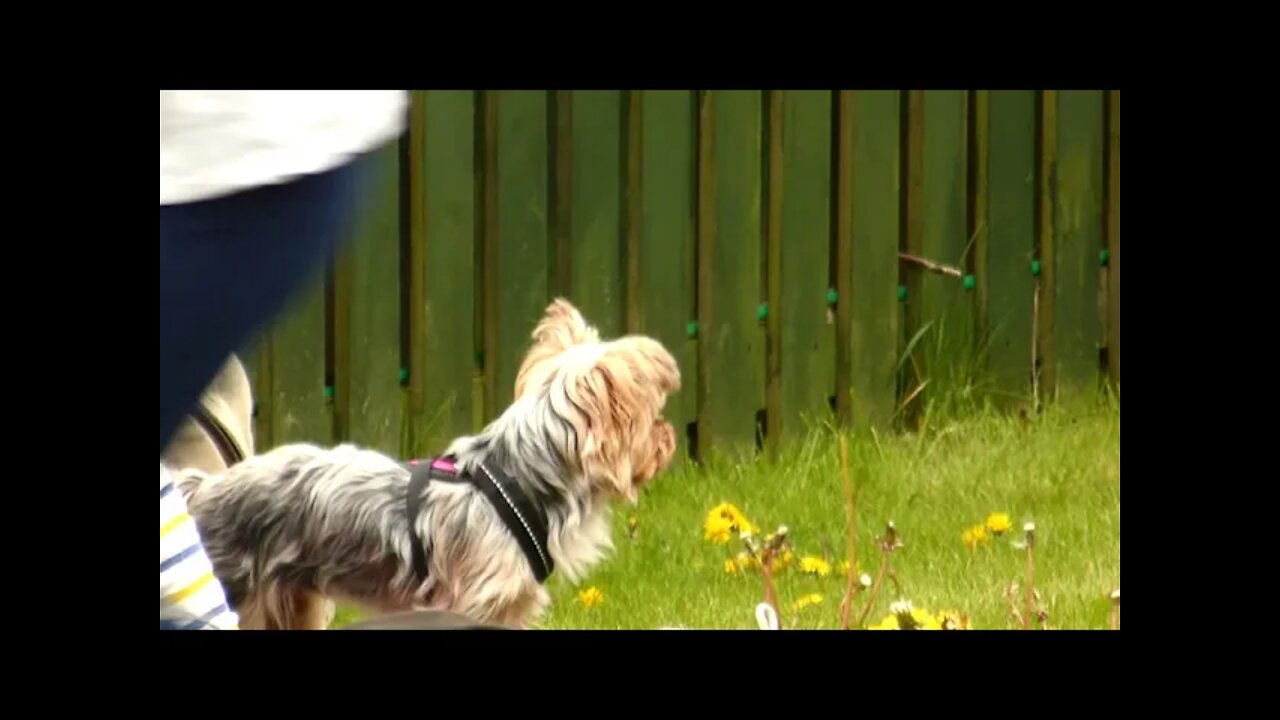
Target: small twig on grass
<point>897,586</point>
<point>875,591</point>
<point>771,546</point>
<point>770,593</point>
<point>1030,531</point>
<point>888,544</point>
<point>931,266</point>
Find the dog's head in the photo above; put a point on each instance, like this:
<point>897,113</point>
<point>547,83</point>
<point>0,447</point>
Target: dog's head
<point>610,393</point>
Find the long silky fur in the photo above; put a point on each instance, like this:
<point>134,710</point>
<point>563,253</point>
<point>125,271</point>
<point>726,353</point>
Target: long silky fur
<point>290,527</point>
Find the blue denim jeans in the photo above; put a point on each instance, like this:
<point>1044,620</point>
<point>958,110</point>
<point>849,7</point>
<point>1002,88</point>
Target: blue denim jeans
<point>229,265</point>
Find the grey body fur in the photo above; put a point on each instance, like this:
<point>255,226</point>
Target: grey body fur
<point>334,521</point>
<point>293,526</point>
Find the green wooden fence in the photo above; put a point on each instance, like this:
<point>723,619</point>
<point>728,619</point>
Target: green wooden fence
<point>799,252</point>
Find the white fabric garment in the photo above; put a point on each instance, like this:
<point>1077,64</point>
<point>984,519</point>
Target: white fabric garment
<point>190,596</point>
<point>217,142</point>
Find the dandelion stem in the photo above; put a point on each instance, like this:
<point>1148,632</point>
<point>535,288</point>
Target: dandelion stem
<point>875,590</point>
<point>1026,616</point>
<point>770,593</point>
<point>1035,347</point>
<point>846,605</point>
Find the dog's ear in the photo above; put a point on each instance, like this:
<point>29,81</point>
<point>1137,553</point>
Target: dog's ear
<point>622,393</point>
<point>561,328</point>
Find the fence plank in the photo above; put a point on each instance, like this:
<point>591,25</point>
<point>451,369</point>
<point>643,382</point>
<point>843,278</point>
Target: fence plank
<point>517,240</point>
<point>299,410</point>
<point>774,108</point>
<point>256,358</point>
<point>659,219</point>
<point>1007,243</point>
<point>1076,241</point>
<point>663,301</point>
<point>486,153</point>
<point>910,377</point>
<point>442,278</point>
<point>596,284</point>
<point>1042,307</point>
<point>368,327</point>
<point>1113,239</point>
<point>801,363</point>
<point>731,347</point>
<point>942,236</point>
<point>868,218</point>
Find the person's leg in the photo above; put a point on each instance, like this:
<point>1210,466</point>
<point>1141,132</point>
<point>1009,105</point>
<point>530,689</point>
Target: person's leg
<point>229,265</point>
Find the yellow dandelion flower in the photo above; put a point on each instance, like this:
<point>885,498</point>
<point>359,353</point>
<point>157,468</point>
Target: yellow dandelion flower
<point>846,569</point>
<point>742,524</point>
<point>924,620</point>
<point>743,562</point>
<point>912,618</point>
<point>591,597</point>
<point>998,523</point>
<point>813,565</point>
<point>725,519</point>
<point>807,601</point>
<point>974,536</point>
<point>889,623</point>
<point>784,561</point>
<point>727,510</point>
<point>718,529</point>
<point>730,566</point>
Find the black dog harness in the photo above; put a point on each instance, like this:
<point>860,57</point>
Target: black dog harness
<point>525,519</point>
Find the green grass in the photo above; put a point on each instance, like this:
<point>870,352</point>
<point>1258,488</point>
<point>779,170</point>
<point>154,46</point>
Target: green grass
<point>1060,470</point>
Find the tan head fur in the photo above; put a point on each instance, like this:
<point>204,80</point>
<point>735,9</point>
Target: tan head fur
<point>613,393</point>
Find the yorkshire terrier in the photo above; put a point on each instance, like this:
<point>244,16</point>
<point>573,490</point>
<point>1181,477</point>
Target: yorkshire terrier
<point>475,531</point>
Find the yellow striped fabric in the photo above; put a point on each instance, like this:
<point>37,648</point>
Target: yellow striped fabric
<point>190,596</point>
